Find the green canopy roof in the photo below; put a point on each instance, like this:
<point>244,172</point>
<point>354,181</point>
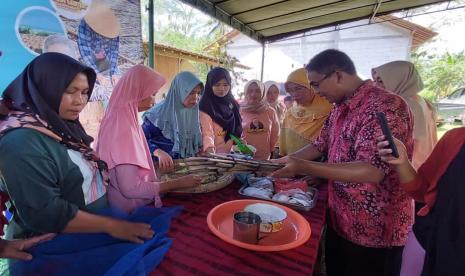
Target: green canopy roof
<point>271,20</point>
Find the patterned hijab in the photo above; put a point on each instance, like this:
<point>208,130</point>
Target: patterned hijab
<point>33,101</point>
<point>223,110</point>
<point>178,123</point>
<point>260,106</point>
<point>36,93</point>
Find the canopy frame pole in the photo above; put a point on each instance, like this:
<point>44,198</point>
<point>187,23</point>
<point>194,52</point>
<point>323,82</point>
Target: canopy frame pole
<point>263,61</point>
<point>151,43</point>
<point>375,11</point>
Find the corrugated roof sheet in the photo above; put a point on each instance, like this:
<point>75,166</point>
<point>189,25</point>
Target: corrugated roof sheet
<point>270,20</point>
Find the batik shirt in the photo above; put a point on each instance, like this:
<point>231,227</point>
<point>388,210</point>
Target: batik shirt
<point>90,42</point>
<point>367,214</point>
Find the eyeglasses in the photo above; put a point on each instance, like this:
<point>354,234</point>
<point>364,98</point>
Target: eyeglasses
<point>316,84</point>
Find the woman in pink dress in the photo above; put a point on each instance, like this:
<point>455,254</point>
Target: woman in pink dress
<point>259,121</point>
<point>123,146</point>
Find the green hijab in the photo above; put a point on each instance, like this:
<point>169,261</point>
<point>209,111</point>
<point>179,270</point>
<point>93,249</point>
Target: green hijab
<point>179,124</point>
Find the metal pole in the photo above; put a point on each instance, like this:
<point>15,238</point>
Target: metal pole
<point>263,61</point>
<point>151,44</point>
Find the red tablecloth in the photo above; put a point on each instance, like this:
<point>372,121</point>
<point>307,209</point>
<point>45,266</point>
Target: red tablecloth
<point>196,251</point>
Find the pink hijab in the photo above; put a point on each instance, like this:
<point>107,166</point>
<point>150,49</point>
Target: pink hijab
<point>121,139</point>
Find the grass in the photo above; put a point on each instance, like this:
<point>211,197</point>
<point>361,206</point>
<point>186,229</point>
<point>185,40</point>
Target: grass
<point>443,128</point>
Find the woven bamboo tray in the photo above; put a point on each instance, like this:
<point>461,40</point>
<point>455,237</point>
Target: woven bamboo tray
<point>206,187</point>
<point>217,171</point>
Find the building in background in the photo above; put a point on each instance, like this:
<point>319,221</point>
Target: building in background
<point>169,61</point>
<point>368,45</point>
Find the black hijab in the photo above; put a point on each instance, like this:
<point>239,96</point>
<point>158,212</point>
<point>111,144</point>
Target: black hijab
<point>223,110</point>
<point>39,89</point>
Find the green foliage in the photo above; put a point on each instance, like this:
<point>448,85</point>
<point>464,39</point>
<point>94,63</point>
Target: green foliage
<point>441,74</point>
<point>24,29</point>
<point>41,33</point>
<point>178,40</point>
<point>181,26</point>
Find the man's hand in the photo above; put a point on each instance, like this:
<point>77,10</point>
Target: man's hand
<point>282,160</point>
<point>16,249</point>
<point>294,166</point>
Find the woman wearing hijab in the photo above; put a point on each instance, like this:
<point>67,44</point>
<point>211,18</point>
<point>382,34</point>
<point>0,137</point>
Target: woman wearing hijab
<point>259,121</point>
<point>219,113</point>
<point>288,102</point>
<point>435,247</point>
<point>54,180</point>
<point>43,145</point>
<point>402,78</point>
<point>172,127</point>
<point>122,143</point>
<point>304,120</point>
<point>272,97</point>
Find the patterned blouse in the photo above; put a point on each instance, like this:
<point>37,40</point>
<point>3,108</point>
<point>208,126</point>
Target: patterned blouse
<point>367,214</point>
<point>91,43</point>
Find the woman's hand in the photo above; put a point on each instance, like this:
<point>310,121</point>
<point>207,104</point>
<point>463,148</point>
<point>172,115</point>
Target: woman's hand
<point>16,249</point>
<point>104,81</point>
<point>129,231</point>
<point>114,80</point>
<point>386,153</point>
<point>210,150</point>
<point>165,162</point>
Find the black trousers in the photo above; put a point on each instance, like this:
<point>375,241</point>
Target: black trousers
<point>344,258</point>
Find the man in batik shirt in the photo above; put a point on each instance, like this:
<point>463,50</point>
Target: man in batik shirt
<point>369,214</point>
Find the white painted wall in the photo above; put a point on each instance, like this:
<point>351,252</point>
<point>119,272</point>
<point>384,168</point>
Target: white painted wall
<point>368,46</point>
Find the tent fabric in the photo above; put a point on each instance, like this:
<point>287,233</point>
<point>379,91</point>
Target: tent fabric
<point>271,20</point>
<point>101,254</point>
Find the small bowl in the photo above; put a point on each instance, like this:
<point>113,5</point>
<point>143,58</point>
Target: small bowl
<point>272,216</point>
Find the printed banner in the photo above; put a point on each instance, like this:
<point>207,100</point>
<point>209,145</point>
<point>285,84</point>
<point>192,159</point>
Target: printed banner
<point>105,35</point>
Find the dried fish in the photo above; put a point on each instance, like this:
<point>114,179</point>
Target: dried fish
<point>215,164</point>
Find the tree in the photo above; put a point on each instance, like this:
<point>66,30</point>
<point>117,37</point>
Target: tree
<point>441,74</point>
<point>179,25</point>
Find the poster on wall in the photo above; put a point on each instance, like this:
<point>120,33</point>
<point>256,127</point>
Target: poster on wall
<point>103,34</point>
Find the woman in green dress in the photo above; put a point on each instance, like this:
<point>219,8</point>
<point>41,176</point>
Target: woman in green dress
<point>55,182</point>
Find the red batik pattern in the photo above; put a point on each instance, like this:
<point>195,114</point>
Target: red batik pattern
<point>368,214</point>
